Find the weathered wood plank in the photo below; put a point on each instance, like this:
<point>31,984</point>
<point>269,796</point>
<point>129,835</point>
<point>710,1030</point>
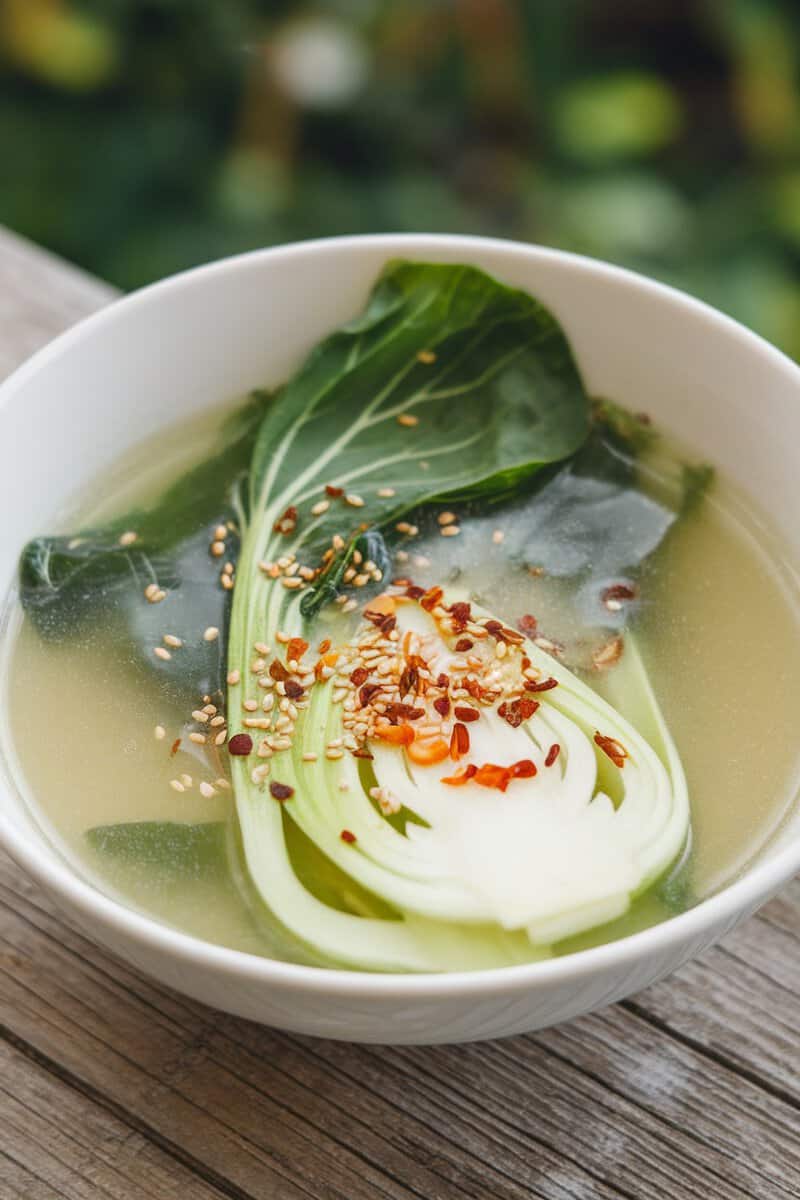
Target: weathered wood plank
<point>40,296</point>
<point>570,1112</point>
<point>78,1148</point>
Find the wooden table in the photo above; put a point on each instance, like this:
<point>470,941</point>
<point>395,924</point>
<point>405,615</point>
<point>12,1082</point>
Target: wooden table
<point>112,1086</point>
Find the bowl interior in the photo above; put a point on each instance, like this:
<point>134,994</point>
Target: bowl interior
<point>210,335</point>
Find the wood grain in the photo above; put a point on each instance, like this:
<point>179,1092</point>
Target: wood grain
<point>111,1085</point>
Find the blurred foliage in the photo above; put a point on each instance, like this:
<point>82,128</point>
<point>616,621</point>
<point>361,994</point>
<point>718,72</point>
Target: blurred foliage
<point>141,136</point>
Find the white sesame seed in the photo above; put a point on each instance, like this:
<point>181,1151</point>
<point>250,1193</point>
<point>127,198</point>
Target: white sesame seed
<point>170,639</point>
<point>426,356</point>
<point>219,740</point>
<point>281,743</point>
<point>407,419</point>
<point>268,702</point>
<point>207,790</point>
<point>450,531</point>
<point>258,665</point>
<point>306,573</point>
<point>217,549</point>
<point>386,492</point>
<point>211,634</point>
<point>128,538</point>
<point>256,723</point>
<point>354,501</point>
<point>282,637</point>
<point>402,556</point>
<point>199,715</point>
<point>309,756</point>
<point>320,507</point>
<point>176,785</point>
<point>217,721</point>
<point>334,743</point>
<point>223,784</point>
<point>421,560</point>
<point>360,580</point>
<point>233,678</point>
<point>337,541</point>
<point>250,705</point>
<point>501,650</point>
<point>160,733</point>
<point>220,533</point>
<point>349,575</point>
<point>446,518</point>
<point>349,605</point>
<point>335,754</point>
<point>498,536</point>
<point>161,653</point>
<point>292,582</point>
<point>186,780</point>
<point>198,738</point>
<point>209,708</point>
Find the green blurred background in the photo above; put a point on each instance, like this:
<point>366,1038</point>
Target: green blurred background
<point>138,137</point>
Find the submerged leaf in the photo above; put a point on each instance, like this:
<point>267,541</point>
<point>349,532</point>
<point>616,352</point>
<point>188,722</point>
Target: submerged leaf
<point>173,849</point>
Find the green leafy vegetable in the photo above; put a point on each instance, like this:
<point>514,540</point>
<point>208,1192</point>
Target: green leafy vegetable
<point>173,849</point>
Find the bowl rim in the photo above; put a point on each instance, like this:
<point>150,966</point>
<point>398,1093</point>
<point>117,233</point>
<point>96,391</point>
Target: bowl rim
<point>702,922</point>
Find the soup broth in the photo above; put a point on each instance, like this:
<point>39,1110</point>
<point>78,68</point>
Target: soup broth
<point>718,627</point>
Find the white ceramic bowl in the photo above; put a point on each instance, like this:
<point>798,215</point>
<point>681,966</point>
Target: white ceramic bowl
<point>215,332</point>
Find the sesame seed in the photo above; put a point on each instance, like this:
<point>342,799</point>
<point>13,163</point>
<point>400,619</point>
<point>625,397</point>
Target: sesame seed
<point>498,536</point>
<point>309,756</point>
<point>217,721</point>
<point>358,557</point>
<point>250,705</point>
<point>282,637</point>
<point>219,740</point>
<point>337,541</point>
<point>198,738</point>
<point>170,639</point>
<point>421,560</point>
<point>154,594</point>
<point>407,419</point>
<point>160,733</point>
<point>186,780</point>
<point>211,634</point>
<point>233,678</point>
<point>261,647</point>
<point>349,605</point>
<point>360,580</point>
<point>450,531</point>
<point>128,538</point>
<point>209,708</point>
<point>320,507</point>
<point>256,723</point>
<point>354,501</point>
<point>292,582</point>
<point>426,356</point>
<point>349,575</point>
<point>501,650</point>
<point>268,702</point>
<point>306,573</point>
<point>207,790</point>
<point>334,754</point>
<point>161,653</point>
<point>384,493</point>
<point>199,715</point>
<point>176,785</point>
<point>402,556</point>
<point>218,549</point>
<point>446,518</point>
<point>220,533</point>
<point>223,784</point>
<point>258,665</point>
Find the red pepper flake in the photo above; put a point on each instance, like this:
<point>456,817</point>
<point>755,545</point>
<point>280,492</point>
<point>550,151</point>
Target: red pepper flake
<point>324,646</point>
<point>362,752</point>
<point>612,748</point>
<point>287,522</point>
<point>616,593</point>
<point>366,693</point>
<point>552,754</point>
<point>383,621</point>
<point>414,592</point>
<point>295,649</point>
<point>293,689</point>
<point>408,680</point>
<point>460,613</point>
<point>459,742</point>
<point>462,777</point>
<point>397,735</point>
<point>431,598</point>
<point>333,491</point>
<point>397,712</point>
<point>278,671</point>
<point>492,776</point>
<point>359,675</point>
<point>493,627</point>
<point>466,714</point>
<point>175,747</point>
<point>443,681</point>
<point>524,769</point>
<point>544,686</point>
<point>474,688</point>
<point>527,624</point>
<point>464,644</point>
<point>280,791</point>
<point>517,711</point>
<point>442,705</point>
<point>240,744</point>
<point>348,837</point>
